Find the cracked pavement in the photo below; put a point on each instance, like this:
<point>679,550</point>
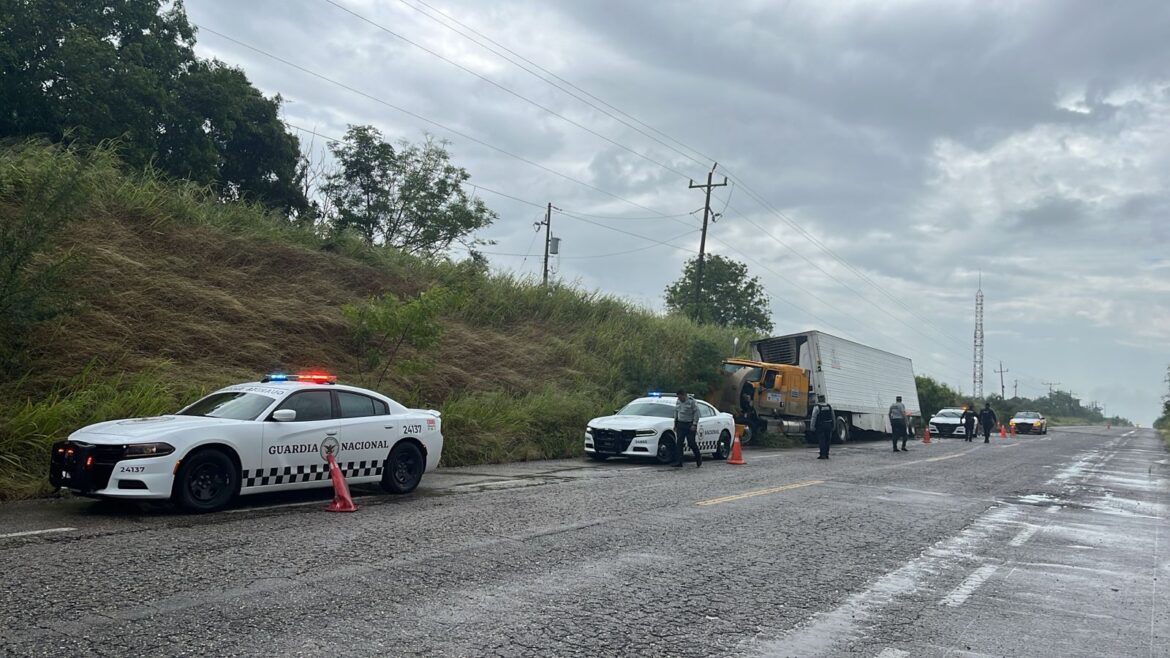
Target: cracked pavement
<point>1041,546</point>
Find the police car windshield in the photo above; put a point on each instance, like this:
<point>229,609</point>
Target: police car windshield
<point>655,409</point>
<point>949,413</point>
<point>232,405</point>
<point>1027,414</point>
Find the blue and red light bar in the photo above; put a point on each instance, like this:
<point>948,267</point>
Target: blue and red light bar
<point>311,377</point>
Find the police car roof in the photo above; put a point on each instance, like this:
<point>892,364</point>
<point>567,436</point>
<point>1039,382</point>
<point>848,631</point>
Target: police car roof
<point>286,387</point>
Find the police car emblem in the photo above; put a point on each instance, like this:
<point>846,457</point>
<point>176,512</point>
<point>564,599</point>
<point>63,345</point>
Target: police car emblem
<point>330,446</point>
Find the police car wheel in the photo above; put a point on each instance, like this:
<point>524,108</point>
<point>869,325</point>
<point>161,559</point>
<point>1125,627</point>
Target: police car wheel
<point>723,447</point>
<point>665,453</point>
<point>404,468</point>
<point>207,481</point>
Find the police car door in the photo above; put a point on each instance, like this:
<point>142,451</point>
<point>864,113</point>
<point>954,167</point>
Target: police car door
<point>294,450</point>
<point>367,432</point>
<point>708,434</point>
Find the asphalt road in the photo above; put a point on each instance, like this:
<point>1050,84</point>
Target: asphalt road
<point>1031,546</point>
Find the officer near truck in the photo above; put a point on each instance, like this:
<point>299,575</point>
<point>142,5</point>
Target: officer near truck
<point>821,423</point>
<point>898,423</point>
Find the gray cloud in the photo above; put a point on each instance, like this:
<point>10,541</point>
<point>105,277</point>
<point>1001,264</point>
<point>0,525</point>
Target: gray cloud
<point>924,142</point>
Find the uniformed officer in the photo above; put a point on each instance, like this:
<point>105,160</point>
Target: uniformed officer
<point>686,422</point>
<point>821,423</point>
<point>987,420</point>
<point>898,423</point>
<point>968,420</point>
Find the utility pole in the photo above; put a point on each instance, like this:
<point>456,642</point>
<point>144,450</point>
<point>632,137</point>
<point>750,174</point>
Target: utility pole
<point>703,239</point>
<point>977,369</point>
<point>1050,385</point>
<point>1016,388</point>
<point>547,224</point>
<point>1002,393</point>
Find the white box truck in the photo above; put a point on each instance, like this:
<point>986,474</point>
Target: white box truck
<point>860,382</point>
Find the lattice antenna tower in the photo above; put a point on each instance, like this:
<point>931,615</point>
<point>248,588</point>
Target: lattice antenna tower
<point>977,370</point>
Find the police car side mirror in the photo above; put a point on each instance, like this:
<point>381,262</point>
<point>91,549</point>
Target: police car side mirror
<point>284,415</point>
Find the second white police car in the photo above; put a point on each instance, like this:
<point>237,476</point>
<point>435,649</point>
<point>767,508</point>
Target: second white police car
<point>271,435</point>
<point>645,428</point>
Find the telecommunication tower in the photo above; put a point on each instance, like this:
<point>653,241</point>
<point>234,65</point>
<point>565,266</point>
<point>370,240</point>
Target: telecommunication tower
<point>977,374</point>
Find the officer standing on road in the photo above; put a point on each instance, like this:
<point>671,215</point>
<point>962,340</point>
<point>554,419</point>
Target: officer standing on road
<point>686,422</point>
<point>821,423</point>
<point>987,420</point>
<point>968,419</point>
<point>898,423</point>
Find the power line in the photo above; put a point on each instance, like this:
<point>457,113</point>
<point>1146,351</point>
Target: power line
<point>503,88</point>
<point>493,147</point>
<point>420,117</point>
<point>521,96</point>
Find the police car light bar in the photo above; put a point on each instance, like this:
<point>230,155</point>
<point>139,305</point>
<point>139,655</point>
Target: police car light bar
<point>654,394</point>
<point>314,377</point>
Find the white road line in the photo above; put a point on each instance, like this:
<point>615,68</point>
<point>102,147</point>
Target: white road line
<point>1024,535</point>
<point>893,653</point>
<point>960,594</point>
<point>27,533</point>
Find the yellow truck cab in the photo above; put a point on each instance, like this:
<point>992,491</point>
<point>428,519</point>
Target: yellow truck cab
<point>759,393</point>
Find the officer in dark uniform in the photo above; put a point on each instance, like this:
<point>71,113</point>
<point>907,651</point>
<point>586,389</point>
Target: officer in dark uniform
<point>968,420</point>
<point>987,420</point>
<point>821,423</point>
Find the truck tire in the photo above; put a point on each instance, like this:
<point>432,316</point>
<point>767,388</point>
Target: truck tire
<point>841,431</point>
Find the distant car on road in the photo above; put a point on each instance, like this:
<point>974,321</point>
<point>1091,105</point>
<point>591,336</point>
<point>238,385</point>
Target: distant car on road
<point>947,422</point>
<point>645,428</point>
<point>270,435</point>
<point>1029,422</point>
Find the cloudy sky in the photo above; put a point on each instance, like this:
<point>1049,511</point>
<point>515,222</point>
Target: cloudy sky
<point>882,155</point>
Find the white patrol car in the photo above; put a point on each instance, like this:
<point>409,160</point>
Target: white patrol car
<point>645,427</point>
<point>271,435</point>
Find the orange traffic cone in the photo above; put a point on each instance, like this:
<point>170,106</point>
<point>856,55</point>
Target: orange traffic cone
<point>1002,434</point>
<point>736,453</point>
<point>341,499</point>
<point>926,434</point>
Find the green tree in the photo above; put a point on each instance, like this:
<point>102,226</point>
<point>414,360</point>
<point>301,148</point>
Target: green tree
<point>934,395</point>
<point>382,326</point>
<point>125,70</point>
<point>410,198</point>
<point>729,298</point>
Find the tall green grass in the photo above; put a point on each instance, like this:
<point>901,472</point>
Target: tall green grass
<point>29,426</point>
<point>576,353</point>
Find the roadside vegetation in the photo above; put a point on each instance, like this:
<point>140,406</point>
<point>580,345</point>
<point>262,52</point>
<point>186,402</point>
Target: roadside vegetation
<point>171,291</point>
<point>1059,407</point>
<point>1163,422</point>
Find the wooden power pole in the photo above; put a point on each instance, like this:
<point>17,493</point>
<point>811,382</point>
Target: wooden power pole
<point>703,240</point>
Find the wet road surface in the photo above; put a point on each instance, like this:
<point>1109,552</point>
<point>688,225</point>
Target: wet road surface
<point>1032,546</point>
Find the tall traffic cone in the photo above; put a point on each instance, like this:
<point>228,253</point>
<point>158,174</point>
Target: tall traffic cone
<point>736,453</point>
<point>341,499</point>
<point>1002,434</point>
<point>926,434</point>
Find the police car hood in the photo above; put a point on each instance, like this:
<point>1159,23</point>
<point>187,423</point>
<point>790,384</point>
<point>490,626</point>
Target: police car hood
<point>628,422</point>
<point>154,427</point>
<point>1021,419</point>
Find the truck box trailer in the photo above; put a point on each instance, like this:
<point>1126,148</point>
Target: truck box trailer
<point>860,382</point>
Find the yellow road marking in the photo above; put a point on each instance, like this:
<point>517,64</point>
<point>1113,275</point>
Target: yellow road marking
<point>760,492</point>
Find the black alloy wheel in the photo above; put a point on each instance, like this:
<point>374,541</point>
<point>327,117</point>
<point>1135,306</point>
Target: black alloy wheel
<point>403,469</point>
<point>666,449</point>
<point>207,481</point>
<point>723,447</point>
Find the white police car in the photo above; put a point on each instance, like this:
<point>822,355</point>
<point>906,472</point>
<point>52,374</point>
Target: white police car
<point>645,428</point>
<point>271,435</point>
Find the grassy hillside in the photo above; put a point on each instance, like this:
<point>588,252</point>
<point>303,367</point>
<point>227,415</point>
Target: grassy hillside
<point>169,292</point>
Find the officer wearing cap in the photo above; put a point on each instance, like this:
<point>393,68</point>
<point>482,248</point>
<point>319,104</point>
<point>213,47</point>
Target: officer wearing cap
<point>898,423</point>
<point>686,422</point>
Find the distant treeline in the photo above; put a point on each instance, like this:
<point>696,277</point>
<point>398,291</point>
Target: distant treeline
<point>1058,406</point>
